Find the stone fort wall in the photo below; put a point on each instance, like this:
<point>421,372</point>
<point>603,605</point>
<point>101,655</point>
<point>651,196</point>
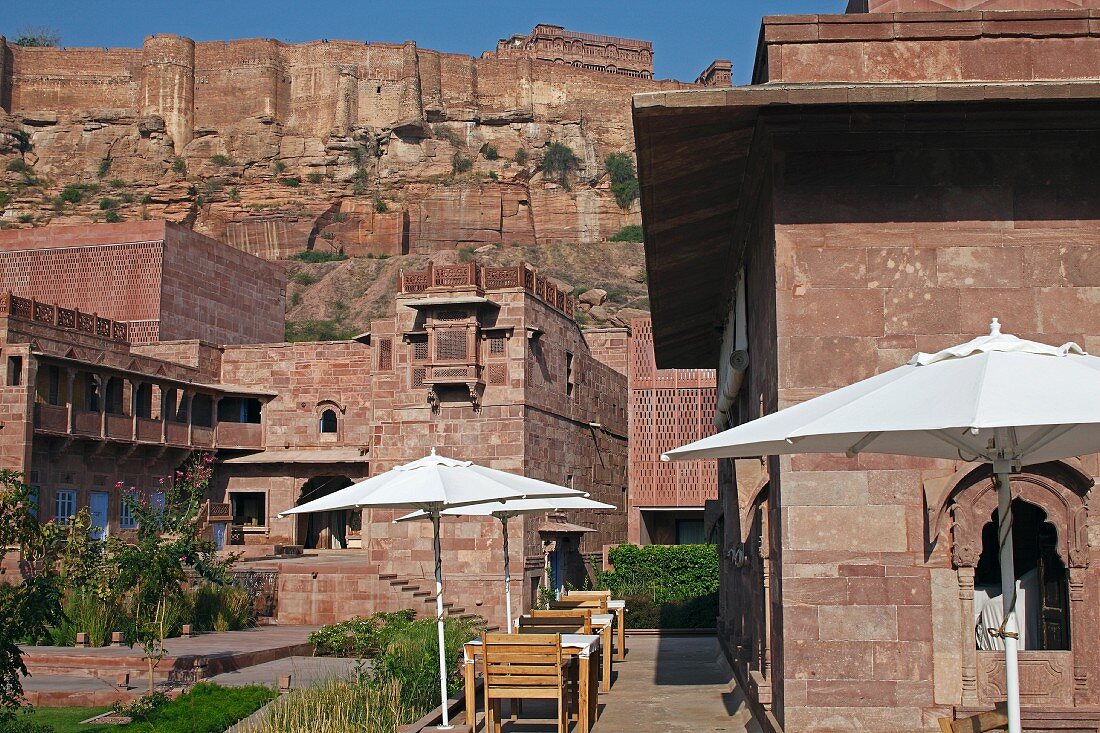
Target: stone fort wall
<point>310,88</point>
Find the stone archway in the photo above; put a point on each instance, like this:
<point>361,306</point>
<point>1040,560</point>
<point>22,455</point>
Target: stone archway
<point>1059,493</point>
<point>325,530</point>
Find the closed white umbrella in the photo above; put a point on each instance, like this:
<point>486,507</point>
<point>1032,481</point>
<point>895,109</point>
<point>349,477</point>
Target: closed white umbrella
<point>997,399</point>
<point>434,484</point>
<point>504,512</point>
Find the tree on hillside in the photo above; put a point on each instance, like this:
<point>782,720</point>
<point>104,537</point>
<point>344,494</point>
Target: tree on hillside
<point>38,36</point>
<point>169,542</point>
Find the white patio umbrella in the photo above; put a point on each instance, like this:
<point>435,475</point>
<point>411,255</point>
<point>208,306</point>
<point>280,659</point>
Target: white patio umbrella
<point>434,484</point>
<point>504,512</point>
<point>997,399</point>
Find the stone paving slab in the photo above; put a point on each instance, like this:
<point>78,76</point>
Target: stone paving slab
<point>303,672</point>
<point>669,684</point>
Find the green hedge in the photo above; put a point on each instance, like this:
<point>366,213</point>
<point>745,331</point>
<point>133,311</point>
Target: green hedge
<point>206,708</point>
<point>693,613</point>
<point>665,586</point>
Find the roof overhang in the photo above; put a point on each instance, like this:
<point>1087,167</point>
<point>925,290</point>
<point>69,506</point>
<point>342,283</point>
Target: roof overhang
<point>332,455</point>
<point>702,154</point>
<point>457,300</point>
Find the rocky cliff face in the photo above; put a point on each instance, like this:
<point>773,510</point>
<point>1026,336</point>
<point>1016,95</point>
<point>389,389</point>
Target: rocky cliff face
<point>365,149</point>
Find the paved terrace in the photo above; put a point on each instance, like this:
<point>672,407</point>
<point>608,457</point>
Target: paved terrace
<point>74,676</point>
<point>665,685</point>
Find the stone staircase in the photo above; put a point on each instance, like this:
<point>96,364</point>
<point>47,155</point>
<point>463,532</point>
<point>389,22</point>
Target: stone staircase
<point>422,597</point>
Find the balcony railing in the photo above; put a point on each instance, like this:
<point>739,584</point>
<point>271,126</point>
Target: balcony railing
<point>240,435</point>
<point>490,278</point>
<point>29,309</point>
<point>51,418</point>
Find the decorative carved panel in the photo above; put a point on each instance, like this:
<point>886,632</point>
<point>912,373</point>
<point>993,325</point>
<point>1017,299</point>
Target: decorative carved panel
<point>1046,678</point>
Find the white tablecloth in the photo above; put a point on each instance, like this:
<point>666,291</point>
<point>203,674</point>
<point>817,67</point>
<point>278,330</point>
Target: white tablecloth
<point>584,642</point>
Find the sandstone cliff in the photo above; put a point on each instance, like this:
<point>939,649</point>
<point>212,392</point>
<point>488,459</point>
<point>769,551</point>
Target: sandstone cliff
<point>366,149</point>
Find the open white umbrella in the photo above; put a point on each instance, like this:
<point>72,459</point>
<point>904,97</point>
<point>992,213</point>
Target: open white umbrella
<point>504,512</point>
<point>434,484</point>
<point>997,399</point>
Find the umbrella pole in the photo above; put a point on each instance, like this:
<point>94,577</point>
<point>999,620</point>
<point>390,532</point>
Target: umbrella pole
<point>507,576</point>
<point>439,620</point>
<point>1009,627</point>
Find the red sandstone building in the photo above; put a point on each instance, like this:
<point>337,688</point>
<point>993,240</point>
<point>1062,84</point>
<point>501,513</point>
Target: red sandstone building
<point>890,181</point>
<point>553,43</point>
<point>483,363</point>
<point>668,408</point>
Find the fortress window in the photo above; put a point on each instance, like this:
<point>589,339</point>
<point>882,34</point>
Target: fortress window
<point>328,421</point>
<point>64,505</point>
<point>249,508</point>
<point>570,376</point>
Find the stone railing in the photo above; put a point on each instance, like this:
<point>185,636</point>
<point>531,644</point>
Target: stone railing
<point>490,278</point>
<point>29,309</point>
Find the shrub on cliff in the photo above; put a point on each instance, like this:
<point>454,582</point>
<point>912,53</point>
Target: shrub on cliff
<point>629,233</point>
<point>461,163</point>
<point>317,330</point>
<point>179,165</point>
<point>490,152</point>
<point>318,255</point>
<point>558,162</point>
<point>220,160</point>
<point>624,179</point>
<point>520,156</point>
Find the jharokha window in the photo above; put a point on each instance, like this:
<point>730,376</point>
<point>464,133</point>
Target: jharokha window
<point>1042,588</point>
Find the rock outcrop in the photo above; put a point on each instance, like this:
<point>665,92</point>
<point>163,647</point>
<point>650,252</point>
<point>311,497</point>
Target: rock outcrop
<point>369,149</point>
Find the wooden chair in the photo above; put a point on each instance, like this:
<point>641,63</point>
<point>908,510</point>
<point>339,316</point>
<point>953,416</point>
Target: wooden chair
<point>586,594</point>
<point>555,621</point>
<point>995,719</point>
<point>524,667</point>
<point>597,605</point>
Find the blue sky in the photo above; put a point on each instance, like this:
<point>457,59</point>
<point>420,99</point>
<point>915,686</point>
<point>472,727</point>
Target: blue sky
<point>686,35</point>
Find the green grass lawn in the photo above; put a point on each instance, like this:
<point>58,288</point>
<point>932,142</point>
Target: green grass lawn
<point>67,720</point>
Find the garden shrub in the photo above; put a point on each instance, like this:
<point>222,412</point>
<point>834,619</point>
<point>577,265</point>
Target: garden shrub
<point>360,636</point>
<point>206,708</point>
<point>629,233</point>
<point>665,586</point>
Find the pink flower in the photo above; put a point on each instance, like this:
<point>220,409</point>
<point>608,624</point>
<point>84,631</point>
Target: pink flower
<point>118,484</point>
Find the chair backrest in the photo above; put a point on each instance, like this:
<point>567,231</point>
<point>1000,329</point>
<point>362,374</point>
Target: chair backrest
<point>597,605</point>
<point>521,663</point>
<point>587,594</point>
<point>557,621</point>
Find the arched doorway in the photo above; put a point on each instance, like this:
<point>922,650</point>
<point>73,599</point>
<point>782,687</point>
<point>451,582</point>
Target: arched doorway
<point>325,530</point>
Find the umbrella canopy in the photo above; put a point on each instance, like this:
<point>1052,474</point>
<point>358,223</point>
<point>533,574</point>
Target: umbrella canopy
<point>433,484</point>
<point>996,393</point>
<point>997,399</point>
<point>505,511</point>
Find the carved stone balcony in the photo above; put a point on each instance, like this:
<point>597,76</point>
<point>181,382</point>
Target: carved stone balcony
<point>240,435</point>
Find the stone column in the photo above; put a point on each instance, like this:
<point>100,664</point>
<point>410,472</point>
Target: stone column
<point>969,646</point>
<point>168,85</point>
<point>214,419</point>
<point>70,419</point>
<point>189,398</point>
<point>135,387</point>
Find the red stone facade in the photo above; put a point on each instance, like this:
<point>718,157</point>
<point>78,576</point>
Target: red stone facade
<point>168,282</point>
<point>553,43</point>
<point>872,220</point>
<point>668,408</point>
<point>486,364</point>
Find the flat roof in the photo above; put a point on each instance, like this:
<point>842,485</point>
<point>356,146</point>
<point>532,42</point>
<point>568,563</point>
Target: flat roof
<point>696,152</point>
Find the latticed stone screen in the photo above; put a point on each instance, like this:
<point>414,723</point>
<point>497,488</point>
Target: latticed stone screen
<point>497,374</point>
<point>450,345</point>
<point>496,345</point>
<point>385,354</point>
<point>669,407</point>
<point>420,349</point>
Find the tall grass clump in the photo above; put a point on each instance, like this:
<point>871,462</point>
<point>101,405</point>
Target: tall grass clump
<point>337,706</point>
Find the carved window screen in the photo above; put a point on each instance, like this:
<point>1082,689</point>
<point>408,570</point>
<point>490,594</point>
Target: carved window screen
<point>498,374</point>
<point>418,374</point>
<point>496,346</point>
<point>450,345</point>
<point>420,349</point>
<point>451,314</point>
<point>385,354</point>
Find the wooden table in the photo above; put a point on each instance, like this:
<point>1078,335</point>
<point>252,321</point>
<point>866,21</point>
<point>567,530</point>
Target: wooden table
<point>581,646</point>
<point>619,608</point>
<point>605,621</point>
